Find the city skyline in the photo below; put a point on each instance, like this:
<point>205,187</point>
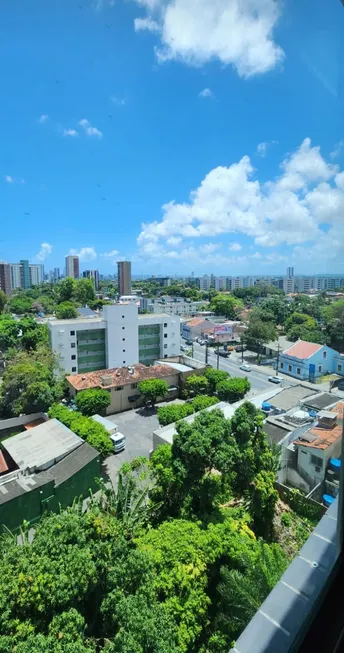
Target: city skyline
<point>172,156</point>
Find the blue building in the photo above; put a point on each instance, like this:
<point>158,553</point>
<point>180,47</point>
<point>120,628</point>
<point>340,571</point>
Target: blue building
<point>307,361</point>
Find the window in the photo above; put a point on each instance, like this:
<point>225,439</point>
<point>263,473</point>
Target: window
<point>320,368</point>
<point>290,368</point>
<point>315,460</point>
<point>165,324</point>
<point>324,354</point>
<point>73,357</point>
<point>123,316</point>
<point>165,335</point>
<point>73,369</point>
<point>123,328</point>
<point>281,366</point>
<point>123,351</point>
<point>72,344</point>
<point>119,387</point>
<point>72,333</point>
<point>165,346</point>
<point>123,339</point>
<point>133,386</point>
<point>298,370</point>
<point>339,368</point>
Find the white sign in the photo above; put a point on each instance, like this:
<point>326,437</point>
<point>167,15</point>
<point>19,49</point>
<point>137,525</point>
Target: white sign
<point>222,329</point>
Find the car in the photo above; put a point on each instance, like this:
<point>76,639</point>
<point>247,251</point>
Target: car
<point>223,353</point>
<point>188,342</point>
<point>275,379</point>
<point>245,368</point>
<point>340,385</point>
<point>239,348</point>
<point>182,347</point>
<point>201,342</point>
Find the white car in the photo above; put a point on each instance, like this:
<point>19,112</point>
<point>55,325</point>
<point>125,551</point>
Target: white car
<point>245,368</point>
<point>275,379</point>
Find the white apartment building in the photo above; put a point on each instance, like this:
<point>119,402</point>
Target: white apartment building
<point>72,267</point>
<point>174,306</point>
<point>220,283</point>
<point>25,274</point>
<point>36,274</point>
<point>119,337</point>
<point>205,282</point>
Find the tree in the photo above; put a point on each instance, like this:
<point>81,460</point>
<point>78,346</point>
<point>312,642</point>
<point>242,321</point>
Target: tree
<point>84,291</point>
<point>214,377</point>
<point>263,497</point>
<point>259,333</point>
<point>3,300</point>
<point>203,401</point>
<point>66,311</point>
<point>94,433</point>
<point>226,305</point>
<point>152,390</point>
<point>9,332</point>
<point>20,305</point>
<point>170,414</point>
<point>334,320</point>
<point>66,289</point>
<point>242,592</point>
<point>92,401</point>
<point>196,385</point>
<point>32,333</point>
<point>233,389</point>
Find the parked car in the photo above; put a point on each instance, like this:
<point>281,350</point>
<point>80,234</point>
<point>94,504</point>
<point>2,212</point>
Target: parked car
<point>275,379</point>
<point>182,347</point>
<point>245,368</point>
<point>340,385</point>
<point>223,353</point>
<point>118,440</point>
<point>240,348</point>
<point>201,342</point>
<point>188,342</point>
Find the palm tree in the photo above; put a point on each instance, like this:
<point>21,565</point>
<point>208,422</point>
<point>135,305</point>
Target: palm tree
<point>241,593</point>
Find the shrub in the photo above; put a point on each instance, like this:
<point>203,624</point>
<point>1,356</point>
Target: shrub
<point>286,519</point>
<point>233,389</point>
<point>196,385</point>
<point>203,401</point>
<point>170,414</point>
<point>86,428</point>
<point>92,401</point>
<point>214,377</point>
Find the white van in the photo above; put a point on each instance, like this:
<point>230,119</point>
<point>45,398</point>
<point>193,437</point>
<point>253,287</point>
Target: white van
<point>117,438</point>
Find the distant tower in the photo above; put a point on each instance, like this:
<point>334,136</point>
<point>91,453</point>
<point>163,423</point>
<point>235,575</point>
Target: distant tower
<point>124,277</point>
<point>72,267</point>
<point>290,273</point>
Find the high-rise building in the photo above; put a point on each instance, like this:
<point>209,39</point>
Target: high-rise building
<point>36,273</point>
<point>290,273</point>
<point>94,276</point>
<point>5,278</point>
<point>25,274</point>
<point>124,278</point>
<point>56,274</point>
<point>72,267</point>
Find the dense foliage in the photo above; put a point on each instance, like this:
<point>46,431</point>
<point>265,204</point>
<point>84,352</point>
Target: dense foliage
<point>94,433</point>
<point>233,389</point>
<point>92,401</point>
<point>173,412</point>
<point>152,390</point>
<point>226,305</point>
<point>196,385</point>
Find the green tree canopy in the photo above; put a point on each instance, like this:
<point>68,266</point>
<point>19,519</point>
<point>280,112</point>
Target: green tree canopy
<point>3,300</point>
<point>203,401</point>
<point>66,289</point>
<point>84,291</point>
<point>174,412</point>
<point>92,401</point>
<point>226,305</point>
<point>259,333</point>
<point>66,311</point>
<point>9,332</point>
<point>233,389</point>
<point>196,385</point>
<point>152,390</point>
<point>214,377</point>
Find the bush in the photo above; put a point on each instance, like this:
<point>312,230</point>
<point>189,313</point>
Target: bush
<point>86,428</point>
<point>170,414</point>
<point>92,401</point>
<point>196,385</point>
<point>286,519</point>
<point>233,389</point>
<point>203,401</point>
<point>66,311</point>
<point>214,377</point>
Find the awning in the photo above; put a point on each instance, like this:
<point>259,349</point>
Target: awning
<point>173,388</point>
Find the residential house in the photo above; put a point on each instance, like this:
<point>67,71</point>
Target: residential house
<point>308,361</point>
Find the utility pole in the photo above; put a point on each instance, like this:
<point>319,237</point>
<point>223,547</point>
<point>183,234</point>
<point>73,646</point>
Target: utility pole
<point>192,349</point>
<point>277,362</point>
<point>218,356</point>
<point>242,348</point>
<point>206,353</point>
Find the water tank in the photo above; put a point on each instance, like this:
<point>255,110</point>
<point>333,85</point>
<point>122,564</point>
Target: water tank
<point>335,464</point>
<point>266,406</point>
<point>327,499</point>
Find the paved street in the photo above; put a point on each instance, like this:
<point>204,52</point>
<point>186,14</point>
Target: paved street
<point>258,379</point>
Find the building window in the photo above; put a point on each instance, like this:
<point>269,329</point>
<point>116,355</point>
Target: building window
<point>165,335</point>
<point>281,366</point>
<point>72,333</point>
<point>290,368</point>
<point>119,387</point>
<point>72,344</point>
<point>165,324</point>
<point>73,357</point>
<point>298,370</point>
<point>315,460</point>
<point>324,354</point>
<point>133,386</point>
<point>123,351</point>
<point>339,368</point>
<point>319,368</point>
<point>123,316</point>
<point>73,369</point>
<point>123,328</point>
<point>165,346</point>
<point>123,339</point>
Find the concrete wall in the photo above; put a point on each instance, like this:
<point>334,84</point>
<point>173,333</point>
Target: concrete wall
<point>169,332</point>
<point>308,468</point>
<point>15,422</point>
<point>62,339</point>
<point>121,334</point>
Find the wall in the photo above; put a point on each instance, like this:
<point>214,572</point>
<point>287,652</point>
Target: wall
<point>61,340</point>
<point>15,422</point>
<point>27,506</point>
<point>91,353</point>
<point>305,466</point>
<point>79,484</point>
<point>326,363</point>
<point>121,334</point>
<point>169,332</point>
<point>120,398</point>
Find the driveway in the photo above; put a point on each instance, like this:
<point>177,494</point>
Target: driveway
<point>138,426</point>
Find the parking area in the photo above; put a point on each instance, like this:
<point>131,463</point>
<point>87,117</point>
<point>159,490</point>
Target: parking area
<point>137,426</point>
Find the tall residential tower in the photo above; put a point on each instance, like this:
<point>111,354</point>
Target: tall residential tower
<point>72,267</point>
<point>124,278</point>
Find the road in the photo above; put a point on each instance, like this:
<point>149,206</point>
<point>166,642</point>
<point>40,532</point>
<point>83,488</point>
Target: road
<point>259,380</point>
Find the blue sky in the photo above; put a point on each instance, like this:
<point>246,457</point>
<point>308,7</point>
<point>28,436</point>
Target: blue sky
<point>184,135</point>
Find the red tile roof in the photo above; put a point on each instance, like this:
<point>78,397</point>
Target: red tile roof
<point>120,376</point>
<point>302,349</point>
<point>3,464</point>
<point>196,321</point>
<point>325,437</point>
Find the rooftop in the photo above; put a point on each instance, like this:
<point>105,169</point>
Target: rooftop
<point>42,446</point>
<point>282,343</point>
<point>302,349</point>
<point>120,376</point>
<point>79,320</point>
<point>320,400</point>
<point>196,321</point>
<point>290,397</point>
<point>319,438</point>
<point>276,432</point>
<point>180,367</point>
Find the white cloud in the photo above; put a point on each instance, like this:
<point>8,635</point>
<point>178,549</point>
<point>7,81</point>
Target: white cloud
<point>112,254</point>
<point>9,179</point>
<point>119,101</point>
<point>70,132</point>
<point>237,33</point>
<point>43,118</point>
<point>208,248</point>
<point>45,250</point>
<point>262,149</point>
<point>89,130</point>
<point>146,24</point>
<point>173,240</point>
<point>84,254</point>
<point>290,209</point>
<point>207,92</point>
<point>235,247</point>
<point>338,150</point>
